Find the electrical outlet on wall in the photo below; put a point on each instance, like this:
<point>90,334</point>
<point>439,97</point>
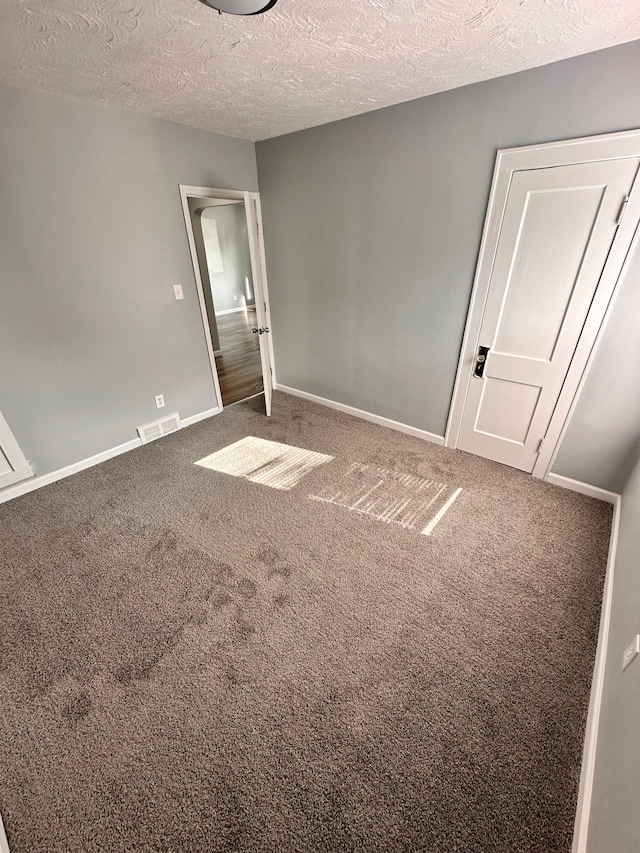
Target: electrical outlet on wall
<point>631,652</point>
<point>160,401</point>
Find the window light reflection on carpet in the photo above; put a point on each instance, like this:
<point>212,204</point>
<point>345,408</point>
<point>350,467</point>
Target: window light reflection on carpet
<point>414,503</point>
<point>279,466</point>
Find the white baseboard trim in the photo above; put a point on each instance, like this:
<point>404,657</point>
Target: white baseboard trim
<point>45,479</point>
<point>582,488</point>
<point>365,416</point>
<point>34,483</point>
<point>585,791</point>
<point>201,416</point>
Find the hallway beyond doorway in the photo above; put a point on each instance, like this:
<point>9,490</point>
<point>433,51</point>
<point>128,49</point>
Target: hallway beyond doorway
<point>239,367</point>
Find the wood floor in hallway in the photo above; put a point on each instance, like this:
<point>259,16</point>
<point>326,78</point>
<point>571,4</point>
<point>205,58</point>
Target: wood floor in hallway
<point>239,366</point>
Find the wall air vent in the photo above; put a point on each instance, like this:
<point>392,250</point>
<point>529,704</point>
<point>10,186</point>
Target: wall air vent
<point>156,429</point>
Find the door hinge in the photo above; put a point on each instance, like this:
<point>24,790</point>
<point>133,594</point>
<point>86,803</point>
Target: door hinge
<point>623,207</point>
<point>540,445</point>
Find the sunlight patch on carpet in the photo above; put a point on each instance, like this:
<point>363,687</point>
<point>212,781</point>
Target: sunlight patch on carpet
<point>279,466</point>
<point>437,518</point>
<point>413,503</point>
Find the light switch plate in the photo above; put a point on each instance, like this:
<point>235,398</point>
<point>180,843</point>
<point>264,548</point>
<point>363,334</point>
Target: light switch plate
<point>631,652</point>
<point>177,289</point>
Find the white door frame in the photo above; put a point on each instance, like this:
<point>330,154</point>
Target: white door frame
<point>15,457</point>
<point>259,271</point>
<point>611,146</point>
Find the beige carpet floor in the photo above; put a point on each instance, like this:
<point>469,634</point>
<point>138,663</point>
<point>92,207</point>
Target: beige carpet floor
<point>381,646</point>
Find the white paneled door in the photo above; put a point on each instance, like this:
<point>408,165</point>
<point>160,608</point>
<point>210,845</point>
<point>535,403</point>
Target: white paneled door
<point>557,230</point>
<point>13,465</point>
<point>259,273</point>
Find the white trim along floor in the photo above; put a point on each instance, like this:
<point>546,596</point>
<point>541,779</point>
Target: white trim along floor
<point>34,483</point>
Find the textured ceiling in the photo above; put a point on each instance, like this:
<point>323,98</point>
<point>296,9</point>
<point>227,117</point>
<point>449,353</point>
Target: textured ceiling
<point>303,63</point>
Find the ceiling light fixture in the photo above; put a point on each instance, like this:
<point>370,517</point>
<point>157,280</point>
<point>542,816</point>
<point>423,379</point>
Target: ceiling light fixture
<point>240,7</point>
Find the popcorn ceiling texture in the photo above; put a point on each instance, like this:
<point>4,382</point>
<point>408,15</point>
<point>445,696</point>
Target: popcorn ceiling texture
<point>301,64</point>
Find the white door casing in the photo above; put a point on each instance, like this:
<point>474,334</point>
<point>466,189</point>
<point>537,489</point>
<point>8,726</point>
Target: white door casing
<point>13,464</point>
<point>567,196</point>
<point>258,271</point>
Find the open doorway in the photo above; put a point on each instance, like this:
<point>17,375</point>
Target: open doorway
<point>228,260</point>
<point>232,308</point>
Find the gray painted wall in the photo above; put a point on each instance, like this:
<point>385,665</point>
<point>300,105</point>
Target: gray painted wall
<point>92,238</point>
<point>372,227</point>
<point>614,824</point>
<point>231,222</point>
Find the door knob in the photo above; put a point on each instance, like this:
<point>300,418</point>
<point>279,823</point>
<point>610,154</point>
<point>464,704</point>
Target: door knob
<point>481,360</point>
